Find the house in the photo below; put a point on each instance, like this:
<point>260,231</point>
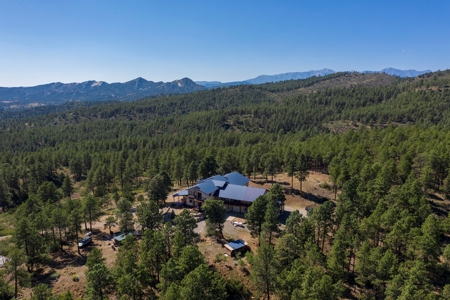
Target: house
<point>231,188</point>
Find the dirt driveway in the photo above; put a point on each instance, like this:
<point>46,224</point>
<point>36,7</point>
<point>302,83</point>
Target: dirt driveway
<point>229,230</point>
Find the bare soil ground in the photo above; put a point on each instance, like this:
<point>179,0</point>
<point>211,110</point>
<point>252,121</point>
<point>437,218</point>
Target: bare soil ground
<point>312,194</point>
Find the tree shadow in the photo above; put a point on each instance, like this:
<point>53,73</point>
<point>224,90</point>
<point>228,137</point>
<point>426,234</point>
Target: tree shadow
<point>79,261</point>
<point>259,182</point>
<point>435,197</point>
<point>39,277</point>
<point>438,209</point>
<point>314,198</point>
<point>283,183</point>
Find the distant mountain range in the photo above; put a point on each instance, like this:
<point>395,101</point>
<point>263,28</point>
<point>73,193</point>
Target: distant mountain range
<point>58,93</point>
<point>303,75</point>
<point>400,73</point>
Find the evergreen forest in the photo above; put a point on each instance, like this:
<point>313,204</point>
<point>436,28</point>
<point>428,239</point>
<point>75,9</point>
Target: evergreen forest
<point>383,141</point>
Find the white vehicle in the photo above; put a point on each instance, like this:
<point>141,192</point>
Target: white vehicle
<point>235,224</point>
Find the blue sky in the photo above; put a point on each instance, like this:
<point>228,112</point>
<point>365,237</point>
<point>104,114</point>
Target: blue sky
<point>73,41</point>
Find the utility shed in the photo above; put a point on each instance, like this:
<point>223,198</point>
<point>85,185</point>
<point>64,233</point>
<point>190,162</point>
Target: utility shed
<point>236,246</point>
<point>118,239</point>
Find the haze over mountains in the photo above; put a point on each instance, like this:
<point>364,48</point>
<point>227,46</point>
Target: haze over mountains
<point>303,75</point>
<point>59,93</point>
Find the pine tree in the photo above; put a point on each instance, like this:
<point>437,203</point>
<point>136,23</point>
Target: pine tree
<point>158,188</point>
<point>100,280</point>
<point>290,168</point>
<point>270,225</point>
<point>5,195</point>
<point>429,241</point>
<point>302,170</point>
<point>154,252</point>
<point>67,187</point>
<point>74,219</point>
<point>203,283</point>
<point>26,234</point>
<point>178,170</point>
<point>149,216</point>
<point>278,194</point>
<point>207,167</point>
<point>127,275</point>
<point>255,217</point>
<point>42,292</point>
<point>446,187</point>
<point>264,270</point>
<point>14,269</point>
<point>337,258</point>
<point>184,230</point>
<point>91,209</point>
<point>110,222</point>
<point>124,215</point>
<point>48,192</point>
<point>215,212</point>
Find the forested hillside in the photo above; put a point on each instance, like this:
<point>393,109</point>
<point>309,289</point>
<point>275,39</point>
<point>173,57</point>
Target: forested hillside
<point>386,238</point>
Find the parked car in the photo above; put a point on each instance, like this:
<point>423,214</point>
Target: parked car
<point>84,242</point>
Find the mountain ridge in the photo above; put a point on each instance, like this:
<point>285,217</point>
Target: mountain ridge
<point>91,90</point>
<point>303,75</point>
<point>56,93</point>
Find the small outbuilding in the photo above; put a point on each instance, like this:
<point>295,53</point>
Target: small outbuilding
<point>120,237</point>
<point>236,246</point>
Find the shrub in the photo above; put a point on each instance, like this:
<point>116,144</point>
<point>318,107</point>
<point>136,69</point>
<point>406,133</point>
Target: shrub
<point>54,275</point>
<point>241,264</point>
<point>325,185</point>
<point>220,257</point>
<point>210,229</point>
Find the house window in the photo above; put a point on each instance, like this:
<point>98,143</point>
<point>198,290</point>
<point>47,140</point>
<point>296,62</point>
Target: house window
<point>199,196</point>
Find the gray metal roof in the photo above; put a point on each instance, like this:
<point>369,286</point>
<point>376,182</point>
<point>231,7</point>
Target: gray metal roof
<point>215,177</point>
<point>237,178</point>
<point>231,186</point>
<point>219,183</point>
<point>238,192</point>
<point>181,193</point>
<point>207,187</point>
<point>237,244</point>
